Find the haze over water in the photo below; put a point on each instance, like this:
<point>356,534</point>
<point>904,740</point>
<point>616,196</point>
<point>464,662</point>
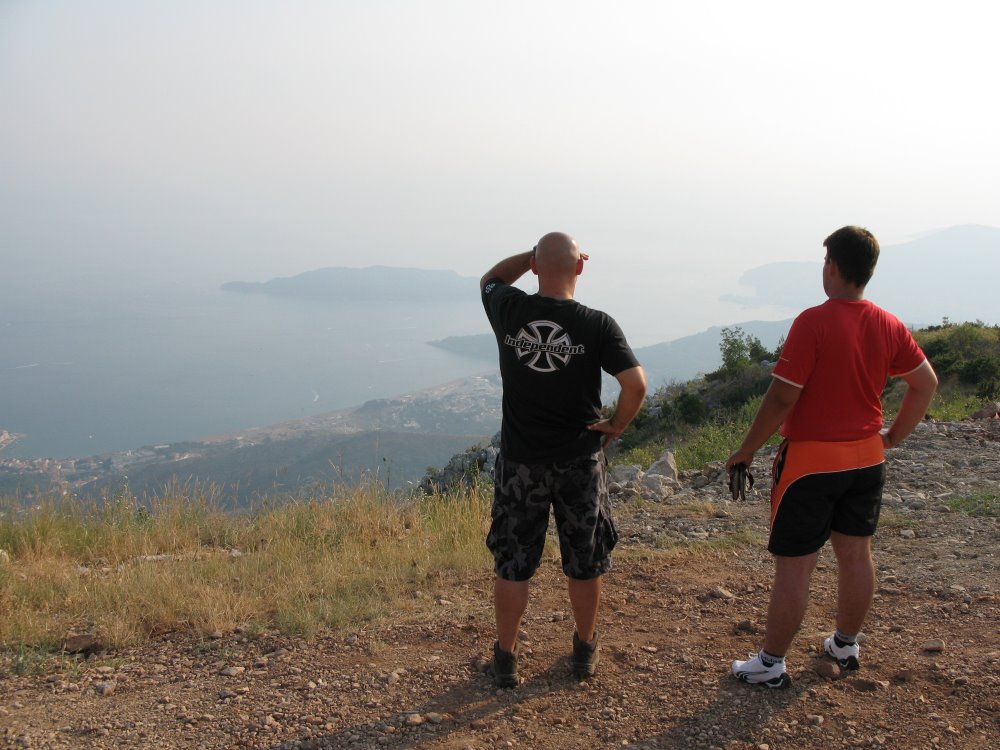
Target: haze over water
<point>145,367</point>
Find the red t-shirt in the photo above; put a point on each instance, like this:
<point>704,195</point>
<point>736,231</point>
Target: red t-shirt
<point>841,354</point>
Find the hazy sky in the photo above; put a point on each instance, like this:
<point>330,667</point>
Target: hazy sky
<point>682,143</point>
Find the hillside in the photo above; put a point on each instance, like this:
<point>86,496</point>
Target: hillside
<point>688,595</point>
<point>392,439</point>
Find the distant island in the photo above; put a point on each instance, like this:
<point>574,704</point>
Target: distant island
<point>482,345</point>
<point>371,284</point>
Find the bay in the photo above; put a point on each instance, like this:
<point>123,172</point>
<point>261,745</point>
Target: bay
<point>108,369</point>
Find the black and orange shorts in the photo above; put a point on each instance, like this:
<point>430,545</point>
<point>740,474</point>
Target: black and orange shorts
<point>822,487</point>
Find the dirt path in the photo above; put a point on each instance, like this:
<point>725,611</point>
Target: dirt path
<point>676,614</point>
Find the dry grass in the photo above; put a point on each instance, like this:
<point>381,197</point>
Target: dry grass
<point>345,558</point>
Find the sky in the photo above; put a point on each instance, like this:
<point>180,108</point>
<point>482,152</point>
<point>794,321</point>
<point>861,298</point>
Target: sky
<point>681,143</point>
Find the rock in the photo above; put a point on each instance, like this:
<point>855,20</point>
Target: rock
<point>464,468</point>
<point>4,557</point>
<point>232,671</point>
<point>479,664</point>
<point>433,717</point>
<point>84,643</point>
<point>826,669</point>
<point>414,720</point>
<point>907,534</point>
<point>814,719</point>
<point>155,558</point>
<point>720,593</point>
<point>989,411</point>
<point>934,646</point>
<point>664,466</point>
<point>746,626</point>
<point>904,675</point>
<point>104,688</point>
<point>625,473</point>
<point>655,483</point>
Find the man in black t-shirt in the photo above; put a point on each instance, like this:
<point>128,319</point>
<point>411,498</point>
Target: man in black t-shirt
<point>552,353</point>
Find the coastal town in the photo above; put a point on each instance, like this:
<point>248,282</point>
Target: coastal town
<point>455,413</point>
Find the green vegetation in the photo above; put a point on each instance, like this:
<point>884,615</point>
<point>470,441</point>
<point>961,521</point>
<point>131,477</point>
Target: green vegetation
<point>704,420</point>
<point>967,354</point>
<point>890,518</point>
<point>976,504</point>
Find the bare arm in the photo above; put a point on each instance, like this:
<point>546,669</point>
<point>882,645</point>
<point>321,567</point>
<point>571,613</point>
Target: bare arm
<point>920,387</point>
<point>777,403</point>
<point>633,393</point>
<point>509,269</point>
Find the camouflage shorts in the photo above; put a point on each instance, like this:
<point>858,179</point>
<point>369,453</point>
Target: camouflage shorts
<point>577,490</point>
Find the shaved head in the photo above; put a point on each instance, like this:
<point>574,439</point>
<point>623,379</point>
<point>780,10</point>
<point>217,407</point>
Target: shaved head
<point>557,254</point>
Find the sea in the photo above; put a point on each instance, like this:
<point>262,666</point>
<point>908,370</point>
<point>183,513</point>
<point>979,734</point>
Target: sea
<point>87,372</point>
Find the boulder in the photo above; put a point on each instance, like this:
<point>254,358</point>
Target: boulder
<point>989,411</point>
<point>625,473</point>
<point>664,466</point>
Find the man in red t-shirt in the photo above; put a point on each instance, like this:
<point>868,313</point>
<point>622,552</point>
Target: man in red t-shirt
<point>830,470</point>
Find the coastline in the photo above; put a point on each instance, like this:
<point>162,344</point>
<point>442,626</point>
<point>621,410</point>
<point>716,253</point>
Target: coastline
<point>7,439</point>
<point>409,430</point>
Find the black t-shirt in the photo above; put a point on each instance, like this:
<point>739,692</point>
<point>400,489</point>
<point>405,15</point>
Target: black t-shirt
<point>551,356</point>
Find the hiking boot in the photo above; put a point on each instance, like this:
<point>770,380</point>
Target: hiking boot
<point>754,671</point>
<point>846,656</point>
<point>585,656</point>
<point>504,667</point>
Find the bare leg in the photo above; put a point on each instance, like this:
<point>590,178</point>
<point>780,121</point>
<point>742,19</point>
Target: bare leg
<point>789,599</point>
<point>510,600</point>
<point>585,596</point>
<point>855,580</point>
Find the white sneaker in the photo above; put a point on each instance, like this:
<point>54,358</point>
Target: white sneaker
<point>846,656</point>
<point>754,671</point>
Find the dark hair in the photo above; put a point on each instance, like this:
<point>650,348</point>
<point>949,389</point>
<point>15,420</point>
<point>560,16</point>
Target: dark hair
<point>855,251</point>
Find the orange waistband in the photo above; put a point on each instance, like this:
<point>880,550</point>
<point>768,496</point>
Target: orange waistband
<point>820,457</point>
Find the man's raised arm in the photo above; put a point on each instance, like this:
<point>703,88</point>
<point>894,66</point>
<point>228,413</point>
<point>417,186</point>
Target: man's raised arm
<point>509,269</point>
